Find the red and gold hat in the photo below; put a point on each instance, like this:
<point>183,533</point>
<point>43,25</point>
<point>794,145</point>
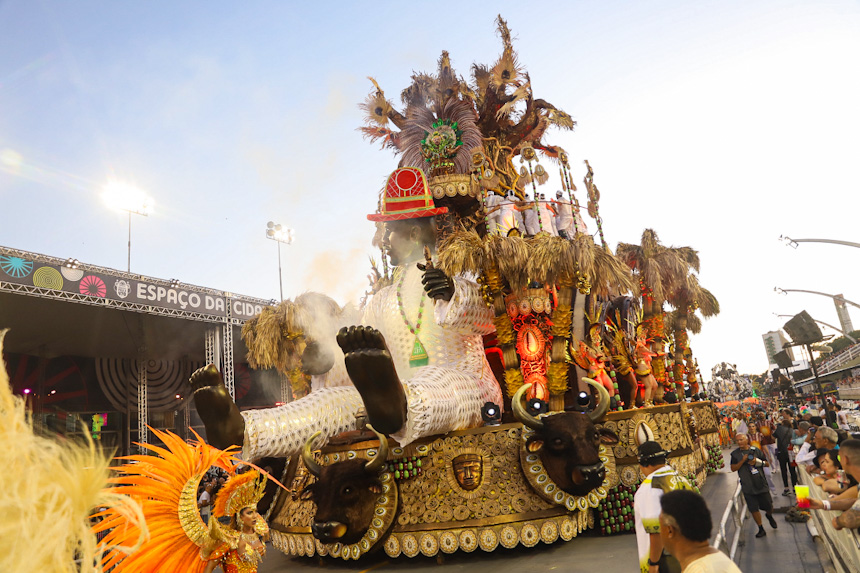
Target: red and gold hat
<point>407,196</point>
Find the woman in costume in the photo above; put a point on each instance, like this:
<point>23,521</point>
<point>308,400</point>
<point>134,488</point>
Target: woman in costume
<point>165,484</point>
<point>243,552</point>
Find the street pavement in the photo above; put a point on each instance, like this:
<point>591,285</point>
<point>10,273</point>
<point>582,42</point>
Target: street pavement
<point>788,549</point>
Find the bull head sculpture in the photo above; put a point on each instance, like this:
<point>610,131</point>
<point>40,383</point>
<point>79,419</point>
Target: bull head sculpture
<point>345,493</point>
<point>569,442</point>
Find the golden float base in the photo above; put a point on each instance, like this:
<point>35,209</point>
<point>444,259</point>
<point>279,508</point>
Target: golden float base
<point>429,543</point>
<point>509,500</point>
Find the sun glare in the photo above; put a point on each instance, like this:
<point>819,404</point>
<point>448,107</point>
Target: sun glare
<point>125,197</point>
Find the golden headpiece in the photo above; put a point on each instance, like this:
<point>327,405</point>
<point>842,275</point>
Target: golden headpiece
<point>240,491</point>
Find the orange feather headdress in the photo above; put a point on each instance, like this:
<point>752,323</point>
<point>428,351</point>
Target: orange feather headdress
<point>165,485</point>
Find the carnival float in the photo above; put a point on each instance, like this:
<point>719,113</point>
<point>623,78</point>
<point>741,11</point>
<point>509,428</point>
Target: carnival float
<point>563,326</point>
<point>506,364</point>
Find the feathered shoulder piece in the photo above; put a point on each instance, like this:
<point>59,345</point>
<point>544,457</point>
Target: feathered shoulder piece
<point>165,484</point>
<point>580,353</point>
<point>620,341</point>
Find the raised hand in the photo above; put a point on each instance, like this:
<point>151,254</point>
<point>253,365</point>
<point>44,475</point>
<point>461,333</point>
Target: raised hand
<point>437,284</point>
<point>224,424</point>
<point>205,377</point>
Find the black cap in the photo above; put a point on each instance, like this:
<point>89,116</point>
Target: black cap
<point>651,451</point>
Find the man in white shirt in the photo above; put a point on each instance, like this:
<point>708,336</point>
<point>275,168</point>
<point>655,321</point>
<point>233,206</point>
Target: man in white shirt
<point>510,217</point>
<point>547,215</point>
<point>841,419</point>
<point>739,425</point>
<point>659,479</point>
<point>685,528</point>
<point>563,216</point>
<point>820,438</point>
<point>204,503</point>
<point>492,205</point>
<point>528,209</point>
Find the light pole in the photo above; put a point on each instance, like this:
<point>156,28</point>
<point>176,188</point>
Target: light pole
<point>130,199</point>
<point>794,242</point>
<point>281,234</point>
<point>835,297</point>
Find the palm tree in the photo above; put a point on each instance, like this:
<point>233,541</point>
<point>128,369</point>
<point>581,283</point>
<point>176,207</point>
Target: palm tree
<point>661,270</point>
<point>688,299</point>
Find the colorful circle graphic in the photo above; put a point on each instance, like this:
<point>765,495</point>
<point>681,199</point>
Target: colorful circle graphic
<point>48,277</point>
<point>93,286</point>
<point>16,266</point>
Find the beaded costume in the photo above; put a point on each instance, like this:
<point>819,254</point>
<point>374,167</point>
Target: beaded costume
<point>237,552</point>
<point>445,395</point>
<point>236,561</point>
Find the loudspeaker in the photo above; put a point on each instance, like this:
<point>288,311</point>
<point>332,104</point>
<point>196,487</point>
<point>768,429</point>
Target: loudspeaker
<point>802,329</point>
<point>799,375</point>
<point>782,359</point>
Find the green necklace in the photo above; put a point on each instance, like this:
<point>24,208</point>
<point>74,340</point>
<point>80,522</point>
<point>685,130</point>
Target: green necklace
<point>419,353</point>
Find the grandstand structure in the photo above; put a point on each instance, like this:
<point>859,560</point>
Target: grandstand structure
<point>115,349</point>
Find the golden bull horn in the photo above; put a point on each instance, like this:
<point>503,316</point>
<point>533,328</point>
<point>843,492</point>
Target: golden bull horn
<point>376,465</point>
<point>520,412</point>
<point>308,457</point>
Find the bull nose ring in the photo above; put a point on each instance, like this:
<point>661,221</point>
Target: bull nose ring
<point>596,468</point>
<point>328,529</point>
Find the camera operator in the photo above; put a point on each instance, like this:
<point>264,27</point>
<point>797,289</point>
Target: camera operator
<point>749,461</point>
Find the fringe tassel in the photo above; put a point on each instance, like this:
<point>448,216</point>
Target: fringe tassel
<point>513,380</point>
<point>557,376</point>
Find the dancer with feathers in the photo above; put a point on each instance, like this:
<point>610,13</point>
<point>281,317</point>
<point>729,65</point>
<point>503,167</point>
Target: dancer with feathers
<point>165,484</point>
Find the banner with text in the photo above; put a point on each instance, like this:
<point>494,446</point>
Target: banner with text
<point>24,271</point>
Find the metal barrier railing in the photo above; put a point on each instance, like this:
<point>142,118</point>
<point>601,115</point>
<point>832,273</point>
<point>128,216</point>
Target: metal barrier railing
<point>840,359</point>
<point>842,546</point>
<point>736,510</point>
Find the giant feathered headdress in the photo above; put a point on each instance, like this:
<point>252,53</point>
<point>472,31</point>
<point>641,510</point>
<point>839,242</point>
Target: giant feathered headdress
<point>496,113</point>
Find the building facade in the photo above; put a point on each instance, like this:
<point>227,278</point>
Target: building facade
<point>773,342</point>
<point>842,313</point>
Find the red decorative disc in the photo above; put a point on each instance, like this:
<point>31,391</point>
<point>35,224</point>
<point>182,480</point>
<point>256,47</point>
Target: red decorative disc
<point>93,286</point>
<point>407,178</point>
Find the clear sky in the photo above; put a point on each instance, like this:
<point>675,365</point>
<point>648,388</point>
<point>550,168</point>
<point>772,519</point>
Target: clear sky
<point>720,124</point>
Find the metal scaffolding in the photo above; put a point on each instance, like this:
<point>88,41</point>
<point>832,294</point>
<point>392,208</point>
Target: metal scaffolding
<point>228,371</point>
<point>213,347</point>
<point>218,338</point>
<point>142,400</point>
<point>219,351</point>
